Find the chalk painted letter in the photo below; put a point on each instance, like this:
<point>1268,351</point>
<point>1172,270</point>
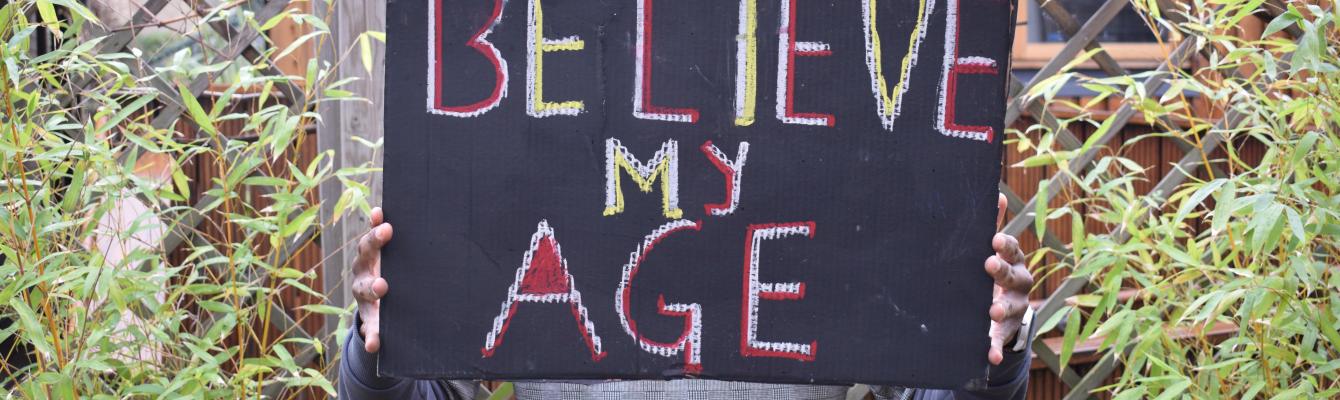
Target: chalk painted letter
<point>690,339</point>
<point>787,50</point>
<point>536,46</point>
<point>664,164</point>
<point>543,278</point>
<point>754,291</point>
<point>889,105</point>
<point>480,43</point>
<point>746,63</point>
<point>642,107</point>
<point>954,65</point>
<point>733,171</point>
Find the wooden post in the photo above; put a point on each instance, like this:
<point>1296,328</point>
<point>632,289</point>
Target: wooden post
<point>342,121</point>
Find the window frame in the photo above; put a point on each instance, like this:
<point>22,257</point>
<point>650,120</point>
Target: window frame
<point>1028,54</point>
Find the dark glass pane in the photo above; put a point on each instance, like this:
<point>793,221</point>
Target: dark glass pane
<point>1128,26</point>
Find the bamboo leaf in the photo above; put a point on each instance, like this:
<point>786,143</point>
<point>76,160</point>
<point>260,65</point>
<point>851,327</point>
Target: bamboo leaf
<point>365,51</point>
<point>197,113</point>
<point>1175,390</point>
<point>1198,198</point>
<point>503,392</point>
<point>1072,326</point>
<point>1040,210</point>
<point>48,13</point>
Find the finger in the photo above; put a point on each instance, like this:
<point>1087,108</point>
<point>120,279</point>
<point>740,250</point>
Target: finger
<point>999,271</point>
<point>1020,279</point>
<point>1003,310</point>
<point>1009,277</point>
<point>1007,247</point>
<point>363,289</point>
<point>370,245</point>
<point>365,247</point>
<point>1012,277</point>
<point>369,288</point>
<point>379,287</point>
<point>372,340</point>
<point>375,238</point>
<point>1002,203</point>
<point>376,217</point>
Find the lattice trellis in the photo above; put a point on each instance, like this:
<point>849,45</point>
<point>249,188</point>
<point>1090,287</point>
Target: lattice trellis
<point>1081,39</point>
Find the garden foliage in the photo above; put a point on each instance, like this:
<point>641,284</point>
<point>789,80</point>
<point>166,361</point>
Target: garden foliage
<point>1250,244</point>
<point>96,301</point>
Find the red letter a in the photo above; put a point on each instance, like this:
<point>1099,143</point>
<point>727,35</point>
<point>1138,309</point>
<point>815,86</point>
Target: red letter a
<point>543,278</point>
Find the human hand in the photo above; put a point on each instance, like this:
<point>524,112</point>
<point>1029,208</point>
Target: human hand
<point>1013,282</point>
<point>368,285</point>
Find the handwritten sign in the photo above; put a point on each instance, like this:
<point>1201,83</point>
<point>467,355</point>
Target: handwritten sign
<point>760,190</point>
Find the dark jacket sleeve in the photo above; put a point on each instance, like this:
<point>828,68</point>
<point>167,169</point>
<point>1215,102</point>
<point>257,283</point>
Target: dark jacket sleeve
<point>359,380</point>
<point>1007,381</point>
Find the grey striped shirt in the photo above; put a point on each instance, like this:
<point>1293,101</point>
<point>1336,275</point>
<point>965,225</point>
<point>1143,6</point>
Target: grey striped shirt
<point>359,381</point>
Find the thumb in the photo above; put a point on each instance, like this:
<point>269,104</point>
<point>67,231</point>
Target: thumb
<point>372,340</point>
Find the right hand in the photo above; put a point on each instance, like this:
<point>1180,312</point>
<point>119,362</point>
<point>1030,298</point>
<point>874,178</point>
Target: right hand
<point>369,287</point>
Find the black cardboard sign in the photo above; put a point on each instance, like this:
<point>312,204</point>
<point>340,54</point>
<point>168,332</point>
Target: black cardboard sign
<point>759,190</point>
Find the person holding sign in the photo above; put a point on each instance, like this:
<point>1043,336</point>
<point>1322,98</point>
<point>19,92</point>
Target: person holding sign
<point>1009,352</point>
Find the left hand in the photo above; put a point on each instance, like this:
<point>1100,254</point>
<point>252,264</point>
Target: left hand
<point>1013,282</point>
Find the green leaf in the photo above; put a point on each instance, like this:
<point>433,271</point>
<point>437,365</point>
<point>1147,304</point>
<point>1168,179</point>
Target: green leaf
<point>75,192</point>
<point>181,182</point>
<point>299,224</point>
<point>337,93</point>
<point>1305,146</point>
<point>1224,207</point>
<point>1040,209</point>
<point>1137,392</point>
<point>365,50</point>
<point>78,9</point>
<point>1037,160</point>
<point>1072,326</point>
<point>263,180</point>
<point>322,309</point>
<point>294,283</point>
<point>288,273</point>
<point>1244,11</point>
<point>275,20</point>
<point>342,205</point>
<point>124,112</point>
<point>1295,224</point>
<point>1198,197</point>
<point>48,13</point>
<point>503,392</point>
<point>298,44</point>
<point>1098,135</point>
<point>1272,219</point>
<point>195,110</point>
<point>1053,320</point>
<point>1175,390</point>
<point>1078,234</point>
<point>1295,393</point>
<point>1281,22</point>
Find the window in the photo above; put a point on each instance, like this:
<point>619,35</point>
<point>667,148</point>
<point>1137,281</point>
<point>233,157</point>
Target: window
<point>1127,37</point>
